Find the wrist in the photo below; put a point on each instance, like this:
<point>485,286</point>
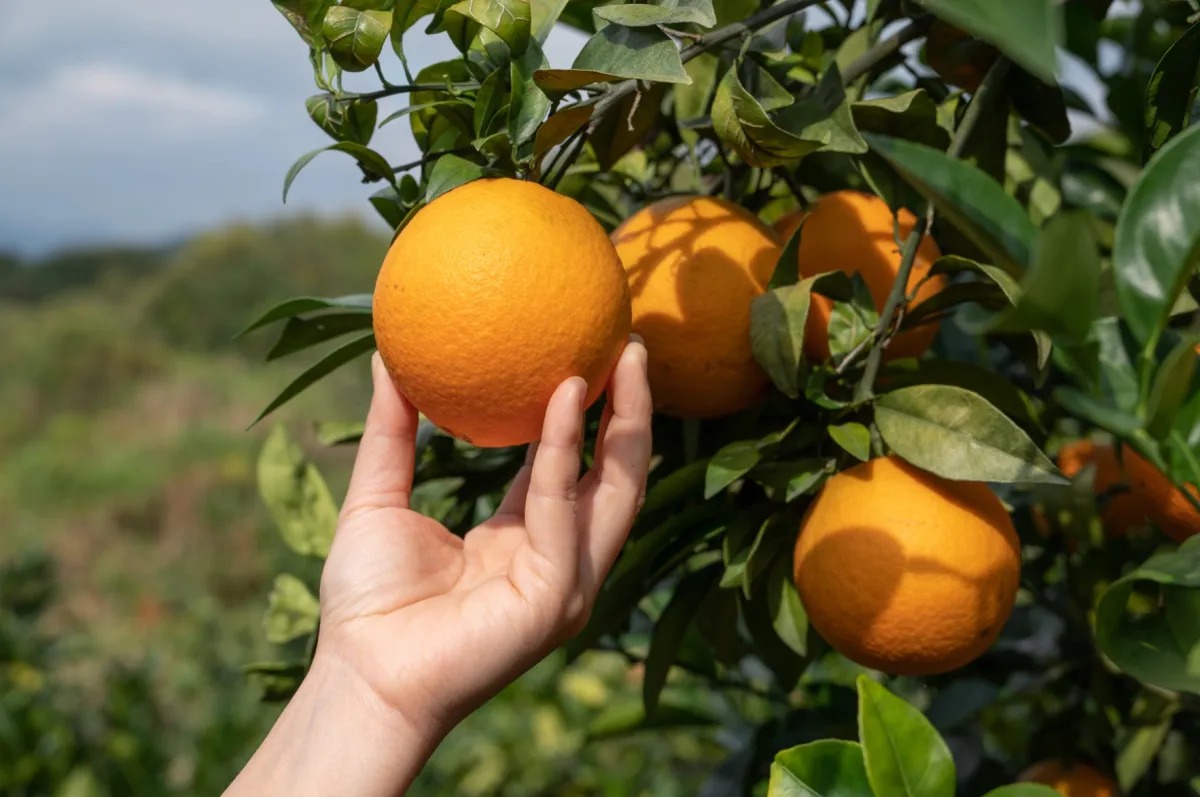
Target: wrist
<point>337,737</point>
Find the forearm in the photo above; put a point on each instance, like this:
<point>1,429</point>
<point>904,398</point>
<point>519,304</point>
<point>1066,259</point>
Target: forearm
<point>335,737</point>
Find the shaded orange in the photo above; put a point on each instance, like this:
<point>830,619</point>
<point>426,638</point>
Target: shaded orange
<point>854,232</point>
<point>1163,503</point>
<point>1071,779</point>
<point>495,293</point>
<point>694,264</point>
<point>904,571</point>
<point>1122,510</point>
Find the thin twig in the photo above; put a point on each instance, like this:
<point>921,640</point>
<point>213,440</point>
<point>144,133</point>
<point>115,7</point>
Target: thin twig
<point>866,386</point>
<point>430,156</point>
<point>886,48</point>
<point>406,89</point>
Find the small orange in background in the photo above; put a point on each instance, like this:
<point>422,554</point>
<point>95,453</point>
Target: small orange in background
<point>854,232</point>
<point>695,264</point>
<point>904,571</point>
<point>1163,503</point>
<point>1122,510</point>
<point>493,295</point>
<point>1071,779</point>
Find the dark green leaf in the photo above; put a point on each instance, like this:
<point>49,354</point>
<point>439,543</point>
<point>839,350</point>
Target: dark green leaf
<point>508,19</point>
<point>448,173</point>
<point>558,128</point>
<point>912,116</point>
<point>292,610</point>
<point>787,481</point>
<point>296,496</point>
<point>958,435</point>
<point>1041,104</point>
<point>529,104</point>
<point>1172,387</point>
<point>730,464</point>
<point>904,755</point>
<point>405,14</point>
<point>1158,236</point>
<point>852,322</point>
<point>975,203</point>
<point>371,162</point>
<point>784,130</point>
<point>344,121</point>
<point>307,304</point>
<point>828,768</point>
<point>691,100</point>
<point>662,12</point>
<point>1027,31</point>
<point>854,438</point>
<point>1097,411</point>
<point>676,488</point>
<point>489,100</point>
<point>777,320</point>
<point>1156,641</point>
<point>1060,291</point>
<point>302,333</point>
<point>624,126</point>
<point>327,365</point>
<point>356,38</point>
<point>783,602</point>
<point>1171,94</point>
<point>618,51</point>
<point>1023,790</point>
<point>669,631</point>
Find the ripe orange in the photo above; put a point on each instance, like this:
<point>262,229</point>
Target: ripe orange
<point>492,295</point>
<point>906,572</point>
<point>854,232</point>
<point>694,265</point>
<point>1122,511</point>
<point>1163,502</point>
<point>1071,779</point>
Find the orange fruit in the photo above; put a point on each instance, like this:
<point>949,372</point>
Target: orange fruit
<point>958,59</point>
<point>1071,779</point>
<point>904,571</point>
<point>495,293</point>
<point>1122,511</point>
<point>1162,502</point>
<point>853,232</point>
<point>695,263</point>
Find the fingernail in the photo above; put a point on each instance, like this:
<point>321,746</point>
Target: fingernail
<point>636,338</point>
<point>377,369</point>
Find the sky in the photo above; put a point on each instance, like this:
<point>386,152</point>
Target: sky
<point>140,121</point>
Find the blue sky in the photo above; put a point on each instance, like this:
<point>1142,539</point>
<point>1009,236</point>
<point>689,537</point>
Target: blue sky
<point>128,120</point>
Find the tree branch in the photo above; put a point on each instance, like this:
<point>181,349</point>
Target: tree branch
<point>391,90</point>
<point>866,386</point>
<point>886,48</point>
<point>430,156</point>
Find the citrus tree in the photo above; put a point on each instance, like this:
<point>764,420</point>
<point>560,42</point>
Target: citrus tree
<point>916,266</point>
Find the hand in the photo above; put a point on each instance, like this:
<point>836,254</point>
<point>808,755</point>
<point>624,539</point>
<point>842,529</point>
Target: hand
<point>419,626</point>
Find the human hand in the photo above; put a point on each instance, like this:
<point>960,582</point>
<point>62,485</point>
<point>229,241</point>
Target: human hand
<point>419,626</point>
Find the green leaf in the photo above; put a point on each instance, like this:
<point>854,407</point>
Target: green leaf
<point>996,387</point>
<point>787,481</point>
<point>371,162</point>
<point>508,19</point>
<point>1160,643</point>
<point>529,104</point>
<point>783,602</point>
<point>626,717</point>
<point>1041,104</point>
<point>1027,31</point>
<point>618,51</point>
<point>1172,387</point>
<point>344,121</point>
<point>307,304</point>
<point>669,632</point>
<point>854,438</point>
<point>327,365</point>
<point>1060,292</point>
<point>828,768</point>
<point>338,433</point>
<point>302,333</point>
<point>296,496</point>
<point>292,610</point>
<point>1142,745</point>
<point>305,16</point>
<point>448,173</point>
<point>958,435</point>
<point>1171,94</point>
<point>904,755</point>
<point>730,464</point>
<point>852,322</point>
<point>1097,411</point>
<point>619,130</point>
<point>783,130</point>
<point>1023,790</point>
<point>405,14</point>
<point>912,116</point>
<point>558,128</point>
<point>777,320</point>
<point>661,12</point>
<point>975,203</point>
<point>355,37</point>
<point>1158,236</point>
<point>545,13</point>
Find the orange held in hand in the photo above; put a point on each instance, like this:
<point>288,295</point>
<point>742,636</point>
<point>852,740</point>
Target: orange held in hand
<point>904,571</point>
<point>1163,503</point>
<point>694,266</point>
<point>492,296</point>
<point>856,233</point>
<point>1071,779</point>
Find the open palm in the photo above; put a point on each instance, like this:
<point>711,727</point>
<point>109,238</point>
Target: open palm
<point>434,624</point>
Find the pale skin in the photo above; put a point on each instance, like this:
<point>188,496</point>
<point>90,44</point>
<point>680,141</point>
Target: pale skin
<point>420,627</point>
